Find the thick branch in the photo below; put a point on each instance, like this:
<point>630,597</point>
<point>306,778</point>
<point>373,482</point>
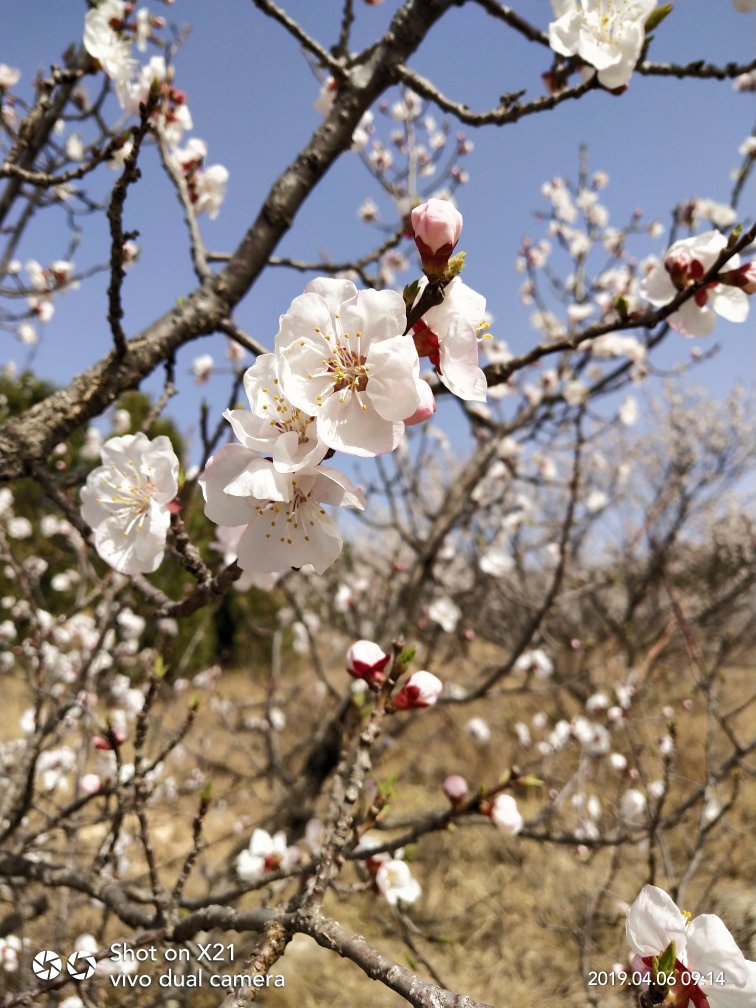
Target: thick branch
<point>331,935</point>
<point>30,438</point>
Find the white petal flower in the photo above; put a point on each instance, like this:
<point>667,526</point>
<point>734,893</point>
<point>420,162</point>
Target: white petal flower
<point>264,854</point>
<point>208,189</point>
<point>685,262</point>
<point>478,730</point>
<point>125,501</point>
<point>8,76</point>
<point>448,336</point>
<point>445,612</point>
<point>711,970</point>
<point>496,562</point>
<point>272,425</point>
<point>633,807</point>
<point>505,815</point>
<point>394,880</point>
<point>607,34</point>
<point>342,359</point>
<point>202,367</point>
<point>536,661</point>
<point>286,525</point>
<point>104,43</point>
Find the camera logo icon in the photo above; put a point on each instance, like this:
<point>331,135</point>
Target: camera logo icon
<point>47,965</point>
<point>81,965</point>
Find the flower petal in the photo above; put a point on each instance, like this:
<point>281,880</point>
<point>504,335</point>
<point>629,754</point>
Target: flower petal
<point>712,949</point>
<point>653,921</point>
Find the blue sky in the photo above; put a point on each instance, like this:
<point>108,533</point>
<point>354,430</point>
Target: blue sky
<point>251,94</point>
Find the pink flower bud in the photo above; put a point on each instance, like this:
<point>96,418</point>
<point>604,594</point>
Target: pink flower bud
<point>422,689</point>
<point>89,784</point>
<point>365,660</point>
<point>426,407</point>
<point>100,742</point>
<point>743,277</point>
<point>437,225</point>
<point>455,788</point>
<point>505,815</point>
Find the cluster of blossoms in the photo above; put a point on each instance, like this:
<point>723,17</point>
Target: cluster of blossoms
<point>109,29</point>
<point>687,262</point>
<point>343,377</point>
<point>502,811</point>
<point>42,285</point>
<point>368,663</point>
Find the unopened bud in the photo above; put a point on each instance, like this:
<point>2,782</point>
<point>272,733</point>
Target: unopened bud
<point>437,226</point>
<point>455,788</point>
<point>743,277</point>
<point>422,689</point>
<point>365,660</point>
<point>425,408</point>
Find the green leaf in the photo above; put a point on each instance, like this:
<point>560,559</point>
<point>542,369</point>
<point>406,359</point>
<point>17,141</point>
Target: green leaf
<point>455,265</point>
<point>656,16</point>
<point>530,781</point>
<point>409,294</point>
<point>387,787</point>
<point>665,963</point>
<point>410,851</point>
<point>621,307</point>
<point>410,962</point>
<point>405,657</point>
<point>160,668</point>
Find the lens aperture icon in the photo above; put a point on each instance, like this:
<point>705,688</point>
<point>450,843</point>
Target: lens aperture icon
<point>47,965</point>
<point>81,965</point>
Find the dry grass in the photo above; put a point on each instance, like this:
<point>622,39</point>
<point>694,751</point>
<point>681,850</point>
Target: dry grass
<point>504,920</point>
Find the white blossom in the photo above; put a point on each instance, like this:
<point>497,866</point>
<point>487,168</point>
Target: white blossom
<point>286,526</point>
<point>394,880</point>
<point>632,807</point>
<point>272,425</point>
<point>125,501</point>
<point>505,815</point>
<point>9,76</point>
<point>607,34</point>
<point>685,262</point>
<point>265,854</point>
<point>448,336</point>
<point>445,612</point>
<point>711,968</point>
<point>343,359</point>
<point>105,44</point>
